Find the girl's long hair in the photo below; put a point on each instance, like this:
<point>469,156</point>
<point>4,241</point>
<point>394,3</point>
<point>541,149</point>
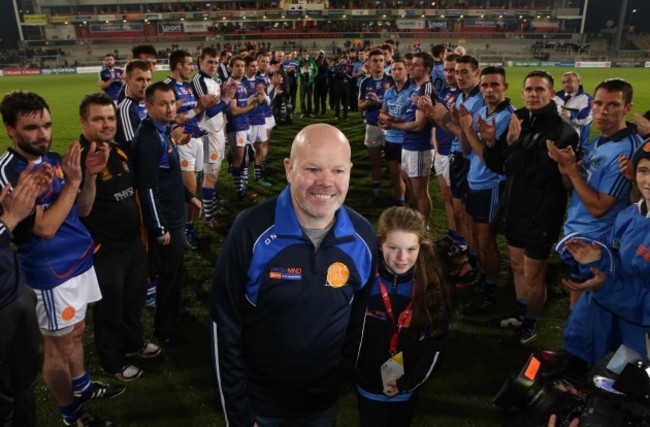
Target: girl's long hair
<point>431,303</point>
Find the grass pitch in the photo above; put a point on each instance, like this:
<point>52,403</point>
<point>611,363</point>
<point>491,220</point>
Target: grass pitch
<point>178,387</point>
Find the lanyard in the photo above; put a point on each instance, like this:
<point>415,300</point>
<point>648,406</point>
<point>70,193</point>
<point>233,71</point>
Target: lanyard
<point>404,320</point>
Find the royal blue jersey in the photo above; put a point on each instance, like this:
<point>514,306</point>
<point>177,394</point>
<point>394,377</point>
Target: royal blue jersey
<point>378,87</point>
<point>395,103</point>
<point>271,91</point>
<point>257,115</point>
<point>114,88</point>
<point>182,91</point>
<point>601,171</point>
<point>48,263</point>
<point>419,140</point>
<point>239,122</point>
<point>448,98</point>
<point>480,177</point>
<point>473,102</point>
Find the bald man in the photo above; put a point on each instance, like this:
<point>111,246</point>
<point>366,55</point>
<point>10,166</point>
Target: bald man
<point>282,299</point>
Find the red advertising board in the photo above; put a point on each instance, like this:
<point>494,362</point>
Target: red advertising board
<point>20,72</point>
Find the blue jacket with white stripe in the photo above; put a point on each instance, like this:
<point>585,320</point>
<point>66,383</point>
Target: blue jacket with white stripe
<point>281,309</point>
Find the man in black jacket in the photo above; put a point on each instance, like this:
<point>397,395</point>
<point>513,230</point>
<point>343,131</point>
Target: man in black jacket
<point>531,208</point>
<point>158,180</point>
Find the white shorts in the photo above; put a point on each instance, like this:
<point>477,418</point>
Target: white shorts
<point>417,163</point>
<point>59,309</point>
<point>257,134</point>
<point>214,149</point>
<point>441,166</point>
<point>270,123</point>
<point>374,136</point>
<point>239,138</point>
<point>191,155</point>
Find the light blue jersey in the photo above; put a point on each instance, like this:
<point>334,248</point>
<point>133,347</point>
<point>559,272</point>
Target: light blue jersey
<point>600,170</point>
<point>480,177</point>
<point>473,102</point>
<point>396,103</point>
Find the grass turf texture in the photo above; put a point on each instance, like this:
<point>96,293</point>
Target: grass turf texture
<point>178,387</point>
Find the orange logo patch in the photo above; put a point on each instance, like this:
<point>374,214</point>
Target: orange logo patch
<point>185,163</point>
<point>241,141</point>
<point>337,275</point>
<point>214,156</point>
<point>646,147</point>
<point>58,172</point>
<point>68,314</point>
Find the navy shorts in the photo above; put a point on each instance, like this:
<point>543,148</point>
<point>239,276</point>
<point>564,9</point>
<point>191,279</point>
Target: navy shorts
<point>458,170</point>
<point>393,151</point>
<point>537,251</point>
<point>482,204</point>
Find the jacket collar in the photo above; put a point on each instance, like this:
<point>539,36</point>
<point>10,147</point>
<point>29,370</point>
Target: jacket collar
<point>286,221</point>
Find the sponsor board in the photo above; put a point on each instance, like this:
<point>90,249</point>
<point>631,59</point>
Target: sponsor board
<point>35,19</point>
<point>294,12</point>
<point>476,12</point>
<point>20,72</point>
<point>525,63</point>
<point>86,70</point>
<point>557,64</point>
<point>360,12</point>
<point>1,73</point>
<point>410,24</point>
<point>82,18</point>
<point>49,71</point>
<point>315,12</point>
<point>593,64</point>
<point>453,12</point>
<point>647,64</point>
<point>337,12</point>
<point>440,25</point>
<point>272,13</point>
<point>153,16</point>
<point>58,19</point>
<point>170,27</point>
<point>107,18</point>
<point>196,27</point>
<point>114,28</point>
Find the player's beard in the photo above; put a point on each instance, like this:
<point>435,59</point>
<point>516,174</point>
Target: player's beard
<point>35,150</point>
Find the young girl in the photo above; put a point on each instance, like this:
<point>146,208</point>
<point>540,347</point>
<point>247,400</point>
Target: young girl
<point>406,321</point>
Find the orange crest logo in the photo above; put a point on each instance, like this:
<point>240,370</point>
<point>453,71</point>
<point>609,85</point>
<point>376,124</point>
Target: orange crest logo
<point>68,314</point>
<point>185,163</point>
<point>214,156</point>
<point>337,275</point>
<point>58,172</point>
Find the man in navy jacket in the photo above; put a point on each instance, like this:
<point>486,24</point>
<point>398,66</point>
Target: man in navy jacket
<point>283,290</point>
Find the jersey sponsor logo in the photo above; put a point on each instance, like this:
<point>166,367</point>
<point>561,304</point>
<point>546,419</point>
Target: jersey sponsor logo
<point>285,273</point>
<point>337,275</point>
<point>214,156</point>
<point>643,252</point>
<point>68,314</point>
<point>125,194</point>
<point>185,163</point>
<point>105,175</point>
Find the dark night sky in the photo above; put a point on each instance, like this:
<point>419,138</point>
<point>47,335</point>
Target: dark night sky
<point>599,12</point>
<point>8,32</point>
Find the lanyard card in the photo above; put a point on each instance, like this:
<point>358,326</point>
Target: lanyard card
<point>392,370</point>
